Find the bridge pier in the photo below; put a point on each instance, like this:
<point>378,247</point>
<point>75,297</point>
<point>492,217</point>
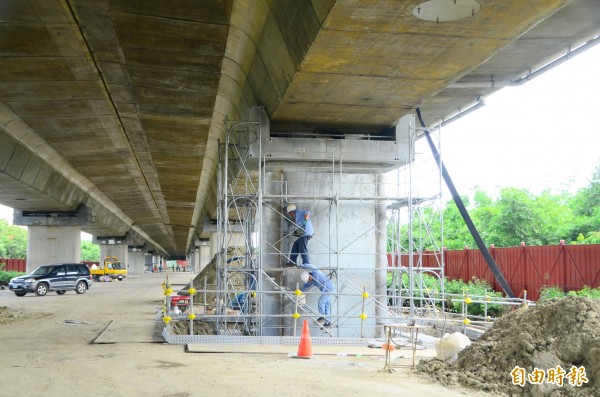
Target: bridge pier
<point>52,236</point>
<point>201,256</point>
<point>135,263</point>
<point>52,244</point>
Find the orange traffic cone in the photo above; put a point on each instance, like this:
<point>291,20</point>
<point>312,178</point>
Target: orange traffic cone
<point>305,349</point>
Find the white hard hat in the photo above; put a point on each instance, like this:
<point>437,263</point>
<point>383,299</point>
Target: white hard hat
<point>304,277</point>
<point>291,207</point>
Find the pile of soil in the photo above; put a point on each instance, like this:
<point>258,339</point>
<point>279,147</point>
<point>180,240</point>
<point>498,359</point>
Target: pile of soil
<point>8,316</point>
<point>563,332</point>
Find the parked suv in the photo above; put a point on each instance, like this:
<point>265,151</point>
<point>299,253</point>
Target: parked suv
<point>60,277</point>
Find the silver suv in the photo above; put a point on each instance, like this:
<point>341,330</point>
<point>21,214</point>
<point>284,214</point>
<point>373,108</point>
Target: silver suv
<point>60,277</point>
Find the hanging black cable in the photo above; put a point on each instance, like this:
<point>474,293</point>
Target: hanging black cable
<point>465,215</point>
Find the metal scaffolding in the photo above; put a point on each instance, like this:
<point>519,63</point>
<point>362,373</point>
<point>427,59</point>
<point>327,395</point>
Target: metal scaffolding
<point>379,235</point>
<point>257,296</point>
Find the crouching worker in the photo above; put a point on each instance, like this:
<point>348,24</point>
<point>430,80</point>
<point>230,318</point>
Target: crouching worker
<point>315,278</point>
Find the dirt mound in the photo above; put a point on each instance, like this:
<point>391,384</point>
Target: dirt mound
<point>8,316</point>
<point>553,335</point>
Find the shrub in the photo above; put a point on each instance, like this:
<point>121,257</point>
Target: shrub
<point>586,292</point>
<point>476,289</point>
<point>551,292</point>
<point>6,276</point>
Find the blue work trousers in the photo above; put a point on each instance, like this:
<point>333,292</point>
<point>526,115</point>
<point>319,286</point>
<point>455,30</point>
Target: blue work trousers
<point>300,248</point>
<point>325,305</point>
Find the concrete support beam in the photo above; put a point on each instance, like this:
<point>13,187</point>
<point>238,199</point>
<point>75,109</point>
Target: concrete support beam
<point>112,240</point>
<point>51,217</point>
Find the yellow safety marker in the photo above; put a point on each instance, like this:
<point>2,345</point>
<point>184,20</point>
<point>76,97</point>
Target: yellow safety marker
<point>167,319</point>
<point>298,292</point>
<point>253,294</point>
<point>363,316</point>
<point>468,300</point>
<point>365,295</point>
<point>191,316</point>
<point>192,291</point>
<point>296,315</point>
<point>466,321</point>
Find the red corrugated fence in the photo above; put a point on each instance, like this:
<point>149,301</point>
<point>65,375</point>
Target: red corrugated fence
<point>16,265</point>
<point>570,267</point>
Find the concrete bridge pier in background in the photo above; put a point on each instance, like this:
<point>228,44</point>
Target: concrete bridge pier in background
<point>136,264</point>
<point>114,247</point>
<point>193,260</point>
<point>200,256</point>
<point>204,256</point>
<point>52,236</point>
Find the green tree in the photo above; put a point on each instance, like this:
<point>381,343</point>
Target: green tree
<point>556,218</point>
<point>456,233</point>
<point>13,241</point>
<point>517,221</point>
<point>485,215</point>
<point>515,216</point>
<point>586,207</point>
<point>90,252</point>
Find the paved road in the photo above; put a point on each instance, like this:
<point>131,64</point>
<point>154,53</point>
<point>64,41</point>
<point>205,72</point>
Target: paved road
<point>51,352</point>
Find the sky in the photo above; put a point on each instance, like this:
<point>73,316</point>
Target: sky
<point>541,135</point>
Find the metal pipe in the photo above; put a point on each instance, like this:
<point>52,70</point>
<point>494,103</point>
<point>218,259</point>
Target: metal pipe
<point>466,217</point>
<point>491,83</point>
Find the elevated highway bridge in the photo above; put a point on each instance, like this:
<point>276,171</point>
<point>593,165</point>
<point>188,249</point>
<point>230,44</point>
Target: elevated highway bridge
<point>112,111</point>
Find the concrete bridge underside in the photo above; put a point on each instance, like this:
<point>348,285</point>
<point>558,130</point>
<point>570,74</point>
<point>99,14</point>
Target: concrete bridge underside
<point>118,106</point>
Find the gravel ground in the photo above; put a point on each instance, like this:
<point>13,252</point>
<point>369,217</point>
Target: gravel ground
<point>47,348</point>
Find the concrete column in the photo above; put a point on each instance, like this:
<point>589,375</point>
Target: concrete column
<point>381,263</point>
<point>135,264</point>
<point>204,256</point>
<point>345,241</point>
<point>213,243</point>
<point>269,226</point>
<point>148,262</point>
<point>121,251</point>
<point>192,258</point>
<point>52,244</point>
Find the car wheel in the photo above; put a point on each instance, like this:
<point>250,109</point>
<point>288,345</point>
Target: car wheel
<point>61,292</point>
<point>81,287</point>
<point>20,293</point>
<point>41,289</point>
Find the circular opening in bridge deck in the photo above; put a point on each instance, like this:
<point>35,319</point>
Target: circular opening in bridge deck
<point>446,10</point>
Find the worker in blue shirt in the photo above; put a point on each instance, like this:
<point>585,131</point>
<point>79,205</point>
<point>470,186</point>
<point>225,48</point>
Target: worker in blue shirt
<point>301,219</point>
<point>313,277</point>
